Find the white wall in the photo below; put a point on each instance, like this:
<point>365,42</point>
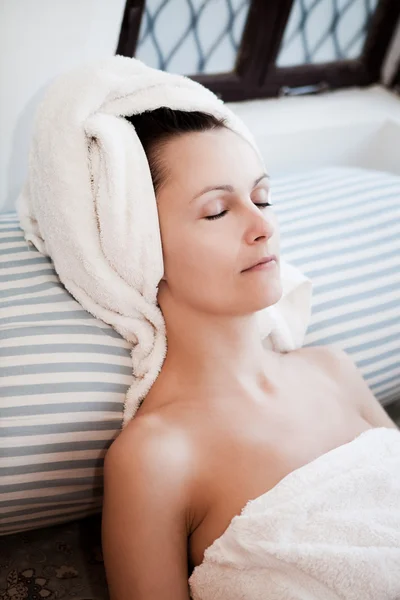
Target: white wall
<point>348,127</point>
<point>38,40</point>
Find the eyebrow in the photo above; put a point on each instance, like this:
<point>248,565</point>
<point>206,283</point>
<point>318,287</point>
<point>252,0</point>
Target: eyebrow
<point>227,188</point>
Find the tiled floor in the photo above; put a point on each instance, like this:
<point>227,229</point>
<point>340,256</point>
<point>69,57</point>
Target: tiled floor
<point>61,562</point>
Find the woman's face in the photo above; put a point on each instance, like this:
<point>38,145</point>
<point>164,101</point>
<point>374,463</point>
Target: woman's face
<point>208,174</point>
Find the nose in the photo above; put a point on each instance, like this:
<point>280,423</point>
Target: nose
<point>261,224</point>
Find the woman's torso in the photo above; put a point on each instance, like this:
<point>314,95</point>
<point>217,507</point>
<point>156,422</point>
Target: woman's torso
<point>245,447</point>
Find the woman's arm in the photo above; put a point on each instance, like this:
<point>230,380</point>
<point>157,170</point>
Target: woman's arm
<point>144,526</point>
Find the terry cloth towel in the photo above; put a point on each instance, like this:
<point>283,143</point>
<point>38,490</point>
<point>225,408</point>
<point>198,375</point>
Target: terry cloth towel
<point>89,204</point>
<point>329,530</point>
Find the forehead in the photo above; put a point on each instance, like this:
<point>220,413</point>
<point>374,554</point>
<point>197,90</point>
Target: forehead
<point>214,157</point>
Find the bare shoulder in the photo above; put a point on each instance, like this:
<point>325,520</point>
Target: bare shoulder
<point>329,356</point>
<point>350,379</point>
<point>336,362</point>
<point>330,360</point>
<point>146,511</point>
<point>151,448</point>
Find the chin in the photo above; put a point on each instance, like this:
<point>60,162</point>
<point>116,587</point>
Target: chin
<point>255,304</point>
<point>264,298</point>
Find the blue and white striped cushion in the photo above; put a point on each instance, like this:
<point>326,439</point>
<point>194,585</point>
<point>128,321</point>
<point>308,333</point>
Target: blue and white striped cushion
<point>341,227</point>
<point>64,373</point>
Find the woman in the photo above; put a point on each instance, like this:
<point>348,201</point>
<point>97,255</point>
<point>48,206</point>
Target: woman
<point>226,419</point>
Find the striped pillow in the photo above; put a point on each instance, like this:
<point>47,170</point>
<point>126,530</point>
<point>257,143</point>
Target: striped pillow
<point>64,373</point>
<point>341,227</point>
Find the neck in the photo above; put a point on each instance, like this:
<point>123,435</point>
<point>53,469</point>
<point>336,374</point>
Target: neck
<point>218,352</point>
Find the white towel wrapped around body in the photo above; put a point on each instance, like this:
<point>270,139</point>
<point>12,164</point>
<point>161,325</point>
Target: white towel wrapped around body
<point>329,530</point>
<point>89,204</point>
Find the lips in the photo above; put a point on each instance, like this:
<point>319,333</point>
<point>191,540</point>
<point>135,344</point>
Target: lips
<point>262,261</point>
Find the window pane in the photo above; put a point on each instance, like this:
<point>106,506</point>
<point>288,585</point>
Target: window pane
<point>192,36</point>
<point>320,31</point>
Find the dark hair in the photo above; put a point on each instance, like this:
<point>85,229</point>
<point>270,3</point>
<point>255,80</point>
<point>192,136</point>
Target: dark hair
<point>156,127</point>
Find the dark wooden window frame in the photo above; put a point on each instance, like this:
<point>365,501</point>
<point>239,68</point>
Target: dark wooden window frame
<point>255,74</point>
<point>395,81</point>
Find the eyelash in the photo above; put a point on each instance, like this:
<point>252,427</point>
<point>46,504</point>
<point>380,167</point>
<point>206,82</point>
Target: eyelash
<point>221,214</point>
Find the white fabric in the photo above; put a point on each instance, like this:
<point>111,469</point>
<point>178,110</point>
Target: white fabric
<point>329,530</point>
<point>89,204</point>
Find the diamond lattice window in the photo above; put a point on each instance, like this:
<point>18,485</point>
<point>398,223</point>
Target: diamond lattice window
<point>192,36</point>
<point>320,31</point>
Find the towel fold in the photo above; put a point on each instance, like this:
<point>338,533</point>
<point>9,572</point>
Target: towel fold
<point>89,204</point>
<point>329,530</point>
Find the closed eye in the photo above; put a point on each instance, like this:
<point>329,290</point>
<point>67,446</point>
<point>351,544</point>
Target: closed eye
<point>221,214</point>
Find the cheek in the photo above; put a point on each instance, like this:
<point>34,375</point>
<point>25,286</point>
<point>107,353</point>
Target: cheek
<point>199,254</point>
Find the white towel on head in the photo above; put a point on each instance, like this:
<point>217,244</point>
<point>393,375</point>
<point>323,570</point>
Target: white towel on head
<point>89,204</point>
